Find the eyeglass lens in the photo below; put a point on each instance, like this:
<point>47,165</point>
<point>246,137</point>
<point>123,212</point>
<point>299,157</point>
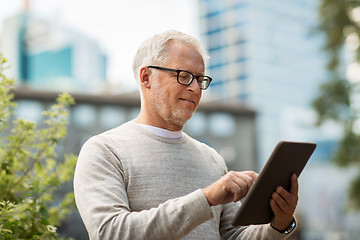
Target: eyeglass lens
<point>186,78</point>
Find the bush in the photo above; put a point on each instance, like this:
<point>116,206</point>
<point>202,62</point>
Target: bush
<point>29,170</point>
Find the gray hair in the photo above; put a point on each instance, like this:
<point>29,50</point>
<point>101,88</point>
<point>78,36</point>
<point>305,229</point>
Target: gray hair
<point>153,50</point>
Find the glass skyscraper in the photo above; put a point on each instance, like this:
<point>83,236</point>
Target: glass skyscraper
<point>264,54</point>
<point>267,55</point>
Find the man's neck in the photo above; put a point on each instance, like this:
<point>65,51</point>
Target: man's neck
<point>142,119</point>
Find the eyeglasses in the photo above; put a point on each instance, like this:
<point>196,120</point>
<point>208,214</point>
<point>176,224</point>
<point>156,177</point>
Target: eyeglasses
<point>186,78</point>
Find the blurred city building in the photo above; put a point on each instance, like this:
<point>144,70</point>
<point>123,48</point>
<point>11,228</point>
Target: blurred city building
<point>265,55</point>
<point>46,55</point>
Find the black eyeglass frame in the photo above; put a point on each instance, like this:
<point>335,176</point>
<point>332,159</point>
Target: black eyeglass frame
<point>209,79</point>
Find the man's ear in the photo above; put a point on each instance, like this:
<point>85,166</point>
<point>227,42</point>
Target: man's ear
<point>145,77</point>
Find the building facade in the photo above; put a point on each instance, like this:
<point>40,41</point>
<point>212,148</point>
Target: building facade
<point>45,55</point>
<point>265,54</point>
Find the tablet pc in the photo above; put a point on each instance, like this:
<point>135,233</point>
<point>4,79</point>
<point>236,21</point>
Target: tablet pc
<point>287,158</point>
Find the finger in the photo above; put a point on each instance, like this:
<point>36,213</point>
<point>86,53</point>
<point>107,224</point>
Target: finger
<point>234,186</point>
<point>249,181</point>
<point>236,191</point>
<point>251,174</point>
<point>240,175</point>
<point>280,202</point>
<point>286,201</point>
<point>281,220</point>
<point>243,181</point>
<point>248,176</point>
<point>294,185</point>
<point>275,208</point>
<point>291,199</point>
<point>243,186</point>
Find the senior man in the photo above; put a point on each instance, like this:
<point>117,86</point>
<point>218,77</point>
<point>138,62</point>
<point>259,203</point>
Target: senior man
<point>147,179</point>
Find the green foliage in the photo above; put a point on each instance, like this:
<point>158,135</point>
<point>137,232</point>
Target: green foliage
<point>29,170</point>
<point>339,101</point>
<point>338,97</point>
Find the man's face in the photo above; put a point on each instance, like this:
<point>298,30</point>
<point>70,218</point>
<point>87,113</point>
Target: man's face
<point>173,104</point>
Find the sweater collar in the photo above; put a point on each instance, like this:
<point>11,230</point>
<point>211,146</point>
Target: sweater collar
<point>161,131</point>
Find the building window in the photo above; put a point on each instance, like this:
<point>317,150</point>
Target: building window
<point>84,116</point>
<point>29,111</point>
<point>196,126</point>
<point>111,117</point>
<point>222,125</point>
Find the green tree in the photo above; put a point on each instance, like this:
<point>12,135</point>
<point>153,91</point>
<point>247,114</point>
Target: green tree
<point>29,170</point>
<point>338,98</point>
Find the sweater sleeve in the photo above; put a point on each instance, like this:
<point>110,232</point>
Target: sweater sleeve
<point>101,198</point>
<point>261,232</point>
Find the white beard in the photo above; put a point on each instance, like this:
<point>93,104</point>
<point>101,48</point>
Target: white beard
<point>170,114</point>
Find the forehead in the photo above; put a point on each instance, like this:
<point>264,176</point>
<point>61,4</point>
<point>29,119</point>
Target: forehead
<point>186,57</point>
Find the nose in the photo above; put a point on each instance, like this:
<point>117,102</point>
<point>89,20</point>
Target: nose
<point>194,86</point>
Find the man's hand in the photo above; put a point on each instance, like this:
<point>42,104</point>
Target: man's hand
<point>231,187</point>
<point>283,204</point>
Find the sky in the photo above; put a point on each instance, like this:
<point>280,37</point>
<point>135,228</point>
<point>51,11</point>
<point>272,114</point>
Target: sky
<point>119,26</point>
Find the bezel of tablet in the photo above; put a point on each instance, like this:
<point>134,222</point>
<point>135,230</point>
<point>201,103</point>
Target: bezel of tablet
<point>287,158</point>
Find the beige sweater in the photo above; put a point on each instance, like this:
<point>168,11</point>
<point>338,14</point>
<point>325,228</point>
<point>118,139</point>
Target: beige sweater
<point>132,184</point>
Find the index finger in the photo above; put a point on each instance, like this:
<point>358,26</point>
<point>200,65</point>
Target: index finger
<point>251,174</point>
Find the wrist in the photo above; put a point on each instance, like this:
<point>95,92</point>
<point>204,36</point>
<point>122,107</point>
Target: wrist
<point>289,229</point>
<point>206,194</point>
